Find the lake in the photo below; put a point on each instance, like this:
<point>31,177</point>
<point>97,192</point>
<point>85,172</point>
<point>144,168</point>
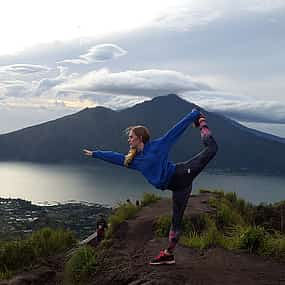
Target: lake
<point>108,184</point>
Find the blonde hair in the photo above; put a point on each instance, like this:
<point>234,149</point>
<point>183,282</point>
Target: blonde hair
<point>139,131</point>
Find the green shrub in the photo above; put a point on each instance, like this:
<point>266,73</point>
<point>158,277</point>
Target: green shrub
<point>243,208</point>
<point>192,240</point>
<point>123,212</point>
<point>231,197</point>
<point>202,191</point>
<point>149,198</point>
<point>217,192</point>
<point>190,224</point>
<point>253,239</point>
<point>274,246</point>
<point>47,241</point>
<point>195,223</point>
<point>236,219</point>
<point>126,211</point>
<point>226,214</point>
<point>16,254</point>
<point>231,238</point>
<point>162,226</point>
<point>212,237</point>
<point>209,238</point>
<point>80,265</point>
<point>5,274</point>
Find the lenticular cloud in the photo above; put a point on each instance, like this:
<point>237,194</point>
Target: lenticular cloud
<point>98,53</point>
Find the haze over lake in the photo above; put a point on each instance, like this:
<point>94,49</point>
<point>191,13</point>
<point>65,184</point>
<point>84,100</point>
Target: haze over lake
<point>108,184</point>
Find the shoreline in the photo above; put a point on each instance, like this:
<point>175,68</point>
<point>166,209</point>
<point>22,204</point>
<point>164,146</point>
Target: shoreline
<point>21,217</point>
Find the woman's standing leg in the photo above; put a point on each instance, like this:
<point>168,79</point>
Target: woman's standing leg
<point>186,172</point>
<point>181,185</point>
<point>179,200</point>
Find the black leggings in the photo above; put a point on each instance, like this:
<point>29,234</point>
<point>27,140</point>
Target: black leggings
<point>181,182</point>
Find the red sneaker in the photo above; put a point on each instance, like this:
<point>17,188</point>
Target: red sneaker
<point>163,258</point>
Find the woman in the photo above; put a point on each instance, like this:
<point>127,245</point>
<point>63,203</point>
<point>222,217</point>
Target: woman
<point>151,159</point>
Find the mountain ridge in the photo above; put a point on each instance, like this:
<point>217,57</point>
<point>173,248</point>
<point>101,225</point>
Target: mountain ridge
<point>62,140</point>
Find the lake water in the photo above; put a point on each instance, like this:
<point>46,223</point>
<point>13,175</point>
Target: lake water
<point>108,184</point>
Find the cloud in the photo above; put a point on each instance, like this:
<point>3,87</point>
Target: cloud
<point>185,18</point>
<point>265,5</point>
<point>148,83</point>
<point>46,84</point>
<point>120,90</point>
<point>123,89</point>
<point>240,108</point>
<point>114,102</point>
<point>24,68</point>
<point>15,89</point>
<point>98,53</point>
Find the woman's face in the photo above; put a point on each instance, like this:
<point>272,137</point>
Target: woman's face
<point>134,140</point>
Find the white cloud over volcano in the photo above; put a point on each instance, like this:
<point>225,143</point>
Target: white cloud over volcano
<point>148,83</point>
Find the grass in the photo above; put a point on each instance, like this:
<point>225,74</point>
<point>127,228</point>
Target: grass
<point>85,260</point>
<point>149,198</point>
<point>15,255</point>
<point>231,227</point>
<point>123,212</point>
<point>79,267</point>
<point>210,237</point>
<point>226,214</point>
<point>253,239</point>
<point>162,226</point>
<point>5,274</point>
<point>274,245</point>
<point>127,211</point>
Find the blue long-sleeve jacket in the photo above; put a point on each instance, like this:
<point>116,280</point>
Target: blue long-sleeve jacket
<point>153,161</point>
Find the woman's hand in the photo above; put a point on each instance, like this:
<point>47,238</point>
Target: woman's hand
<point>87,152</point>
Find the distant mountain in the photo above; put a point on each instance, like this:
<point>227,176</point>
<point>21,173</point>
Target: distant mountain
<point>62,140</point>
<point>259,133</point>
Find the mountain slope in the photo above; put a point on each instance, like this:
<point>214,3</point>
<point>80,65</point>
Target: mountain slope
<point>62,140</point>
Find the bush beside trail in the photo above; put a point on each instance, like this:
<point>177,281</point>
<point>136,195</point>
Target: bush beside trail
<point>85,259</point>
<point>15,255</point>
<point>233,226</point>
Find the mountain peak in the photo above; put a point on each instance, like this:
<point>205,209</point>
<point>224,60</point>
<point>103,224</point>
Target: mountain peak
<point>166,102</point>
<point>169,97</point>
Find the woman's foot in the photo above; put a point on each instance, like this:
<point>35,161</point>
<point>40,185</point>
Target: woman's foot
<point>200,121</point>
<point>163,258</point>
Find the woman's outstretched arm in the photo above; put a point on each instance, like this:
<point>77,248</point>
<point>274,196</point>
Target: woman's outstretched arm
<point>109,156</point>
<point>176,131</point>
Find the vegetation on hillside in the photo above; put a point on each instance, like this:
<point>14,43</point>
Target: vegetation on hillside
<point>236,225</point>
<point>85,259</point>
<point>15,255</point>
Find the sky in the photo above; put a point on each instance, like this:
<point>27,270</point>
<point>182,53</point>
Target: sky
<point>58,57</point>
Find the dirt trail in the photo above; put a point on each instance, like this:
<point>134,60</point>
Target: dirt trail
<point>135,244</point>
